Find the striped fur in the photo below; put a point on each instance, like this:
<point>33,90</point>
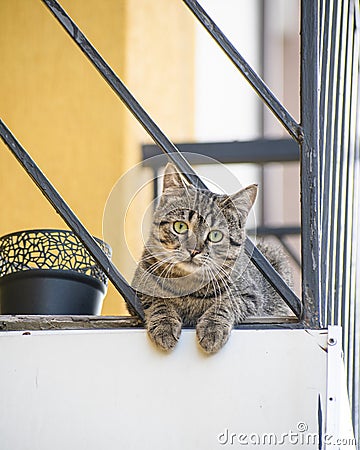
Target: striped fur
<point>187,280</point>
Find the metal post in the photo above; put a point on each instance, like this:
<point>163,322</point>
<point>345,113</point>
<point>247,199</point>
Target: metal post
<point>310,162</point>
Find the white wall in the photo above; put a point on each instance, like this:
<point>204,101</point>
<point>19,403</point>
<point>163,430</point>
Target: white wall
<point>112,390</point>
<point>226,108</point>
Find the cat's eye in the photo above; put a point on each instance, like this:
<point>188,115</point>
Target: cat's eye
<point>180,227</point>
<point>215,236</point>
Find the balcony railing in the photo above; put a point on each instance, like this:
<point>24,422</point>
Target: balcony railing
<point>328,136</point>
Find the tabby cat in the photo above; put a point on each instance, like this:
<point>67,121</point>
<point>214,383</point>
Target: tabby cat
<point>194,271</point>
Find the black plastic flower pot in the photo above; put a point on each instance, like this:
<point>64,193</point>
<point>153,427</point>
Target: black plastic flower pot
<point>49,272</point>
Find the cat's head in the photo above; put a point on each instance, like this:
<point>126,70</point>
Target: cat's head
<point>196,231</point>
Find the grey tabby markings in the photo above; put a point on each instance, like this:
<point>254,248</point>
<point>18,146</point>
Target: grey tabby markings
<point>193,270</point>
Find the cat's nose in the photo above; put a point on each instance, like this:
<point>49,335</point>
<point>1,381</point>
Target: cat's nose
<point>194,252</point>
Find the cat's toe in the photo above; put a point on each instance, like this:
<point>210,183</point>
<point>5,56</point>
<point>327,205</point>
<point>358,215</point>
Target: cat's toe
<point>211,336</point>
<point>165,335</point>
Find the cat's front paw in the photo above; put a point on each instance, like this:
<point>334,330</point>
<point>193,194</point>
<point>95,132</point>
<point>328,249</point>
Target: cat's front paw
<point>212,336</point>
<point>165,333</point>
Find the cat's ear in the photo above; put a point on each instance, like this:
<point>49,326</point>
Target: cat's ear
<point>172,178</point>
<point>243,201</point>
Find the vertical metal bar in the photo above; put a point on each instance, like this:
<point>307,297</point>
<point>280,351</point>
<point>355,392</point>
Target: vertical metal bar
<point>332,160</point>
<point>341,161</point>
<point>310,161</point>
<point>331,152</point>
<point>322,11</point>
<point>335,148</point>
<point>323,68</point>
<point>345,212</point>
<point>349,294</point>
<point>355,387</point>
<point>325,156</point>
<point>354,235</point>
<point>262,40</point>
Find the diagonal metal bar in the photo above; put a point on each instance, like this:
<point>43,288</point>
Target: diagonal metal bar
<point>121,90</point>
<point>273,278</point>
<point>70,218</point>
<point>165,144</point>
<point>294,129</point>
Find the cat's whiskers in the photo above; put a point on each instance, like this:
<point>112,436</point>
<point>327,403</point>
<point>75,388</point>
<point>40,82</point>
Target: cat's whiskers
<point>156,256</point>
<point>223,277</point>
<point>160,278</point>
<point>163,255</point>
<point>166,273</point>
<point>221,270</point>
<point>213,280</point>
<point>150,271</point>
<point>218,295</point>
<point>203,280</point>
<point>234,270</point>
<point>223,274</point>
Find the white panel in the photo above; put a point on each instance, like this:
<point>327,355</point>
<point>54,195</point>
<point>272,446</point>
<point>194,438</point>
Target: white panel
<point>339,430</point>
<point>113,390</point>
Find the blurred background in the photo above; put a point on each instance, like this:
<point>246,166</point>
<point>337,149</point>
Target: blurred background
<point>85,140</point>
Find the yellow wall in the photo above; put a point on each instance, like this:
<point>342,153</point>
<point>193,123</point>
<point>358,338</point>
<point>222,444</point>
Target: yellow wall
<point>67,117</point>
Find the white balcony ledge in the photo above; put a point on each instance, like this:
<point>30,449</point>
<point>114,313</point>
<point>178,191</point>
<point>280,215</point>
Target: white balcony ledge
<point>112,389</point>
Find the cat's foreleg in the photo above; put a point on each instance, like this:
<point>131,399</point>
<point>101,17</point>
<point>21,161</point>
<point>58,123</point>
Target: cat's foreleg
<point>163,324</point>
<point>214,327</point>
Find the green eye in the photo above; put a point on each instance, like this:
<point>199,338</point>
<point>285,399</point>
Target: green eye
<point>180,227</point>
<point>215,236</point>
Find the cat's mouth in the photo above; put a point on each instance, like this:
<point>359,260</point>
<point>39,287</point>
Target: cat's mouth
<point>190,265</point>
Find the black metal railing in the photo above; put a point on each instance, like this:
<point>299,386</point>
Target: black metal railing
<point>167,147</point>
<point>328,136</point>
<point>339,167</point>
<point>259,151</point>
<point>309,106</point>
